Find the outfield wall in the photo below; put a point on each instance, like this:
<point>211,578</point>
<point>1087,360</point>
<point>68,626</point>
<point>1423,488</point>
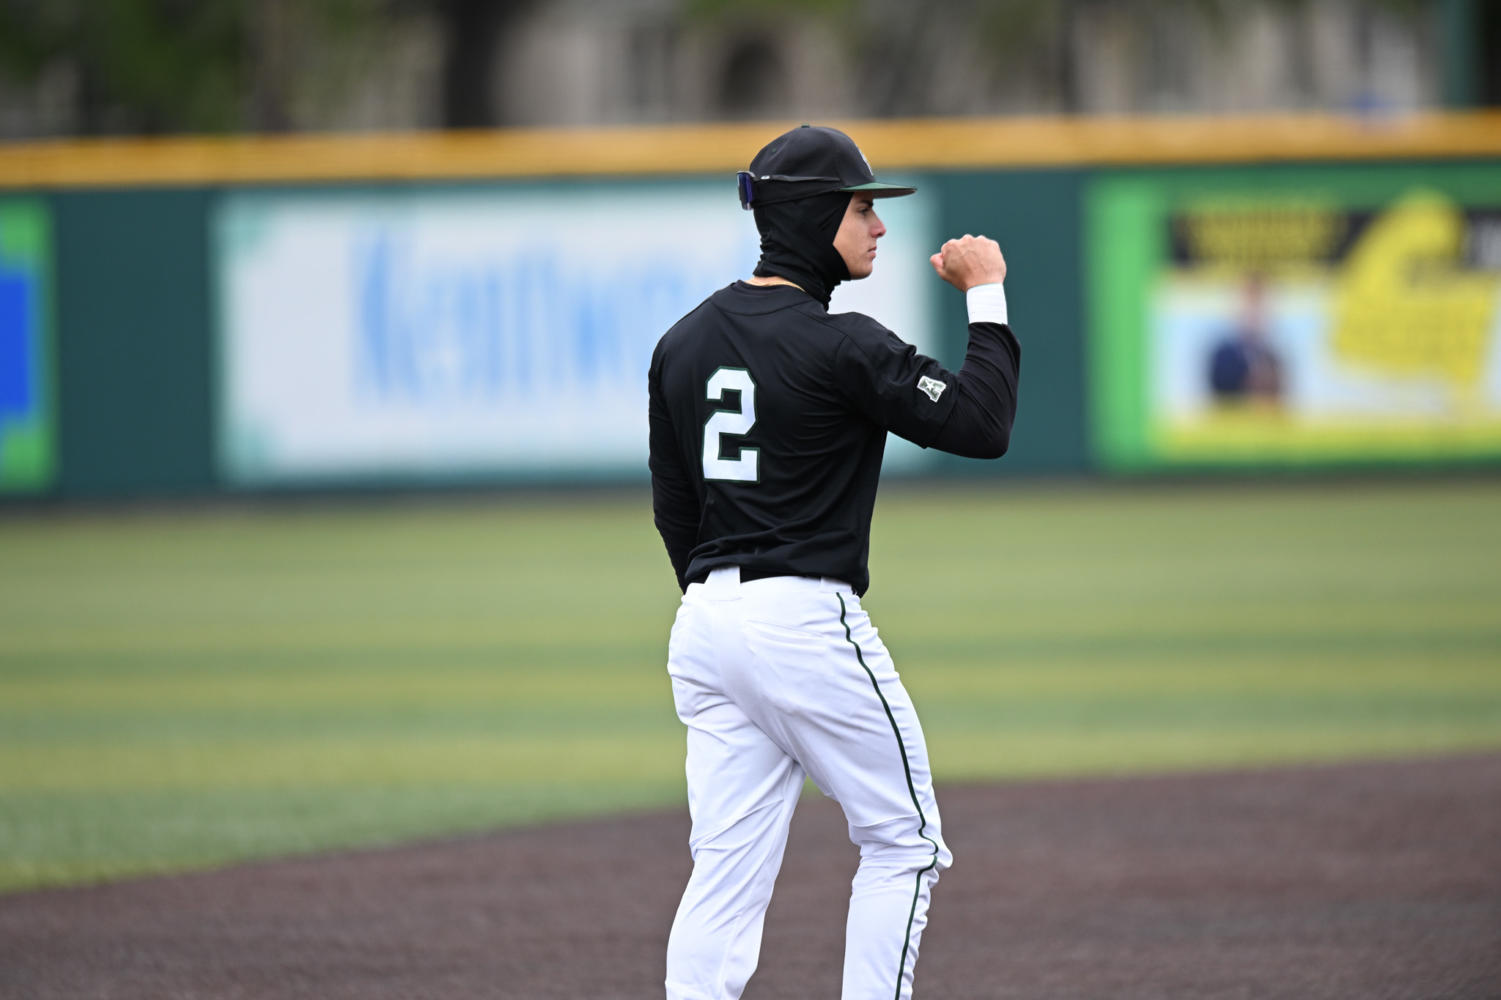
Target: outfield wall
<point>192,317</point>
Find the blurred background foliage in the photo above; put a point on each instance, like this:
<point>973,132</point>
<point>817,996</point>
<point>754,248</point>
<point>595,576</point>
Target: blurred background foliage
<point>214,66</point>
<point>166,66</point>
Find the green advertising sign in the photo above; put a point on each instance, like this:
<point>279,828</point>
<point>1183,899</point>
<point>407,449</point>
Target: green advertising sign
<point>1295,316</point>
<point>27,432</point>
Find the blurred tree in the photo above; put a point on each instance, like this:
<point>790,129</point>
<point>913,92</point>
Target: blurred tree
<point>135,65</point>
<point>903,54</point>
<point>1471,31</point>
<point>472,30</point>
<point>155,66</point>
<point>165,66</point>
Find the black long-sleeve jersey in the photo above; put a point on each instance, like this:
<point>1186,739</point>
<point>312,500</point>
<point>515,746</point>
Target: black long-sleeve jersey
<point>768,424</point>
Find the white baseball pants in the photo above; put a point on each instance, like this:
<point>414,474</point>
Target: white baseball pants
<point>779,679</point>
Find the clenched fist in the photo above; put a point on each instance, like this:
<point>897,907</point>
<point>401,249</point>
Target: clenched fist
<point>969,261</point>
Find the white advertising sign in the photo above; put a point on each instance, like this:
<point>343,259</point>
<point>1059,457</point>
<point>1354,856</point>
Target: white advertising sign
<point>497,332</point>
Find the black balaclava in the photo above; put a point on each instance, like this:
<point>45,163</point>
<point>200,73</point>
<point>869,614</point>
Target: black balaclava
<point>799,186</point>
<point>797,242</point>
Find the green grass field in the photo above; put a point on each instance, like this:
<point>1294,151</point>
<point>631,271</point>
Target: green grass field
<point>180,690</point>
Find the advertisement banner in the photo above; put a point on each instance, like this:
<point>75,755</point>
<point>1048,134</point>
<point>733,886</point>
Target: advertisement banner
<point>27,427</point>
<point>493,333</point>
<point>1292,317</point>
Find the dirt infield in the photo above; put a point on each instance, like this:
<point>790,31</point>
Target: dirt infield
<point>1357,881</point>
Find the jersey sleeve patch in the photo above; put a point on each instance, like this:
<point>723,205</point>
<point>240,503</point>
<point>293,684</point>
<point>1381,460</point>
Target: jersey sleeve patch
<point>931,387</point>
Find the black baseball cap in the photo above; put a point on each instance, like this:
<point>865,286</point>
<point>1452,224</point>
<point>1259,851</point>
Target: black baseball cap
<point>810,160</point>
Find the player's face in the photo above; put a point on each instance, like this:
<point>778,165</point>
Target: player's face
<point>856,239</point>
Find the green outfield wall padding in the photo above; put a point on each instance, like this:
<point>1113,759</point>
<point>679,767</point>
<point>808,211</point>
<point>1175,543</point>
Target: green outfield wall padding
<point>1035,216</point>
<point>133,343</point>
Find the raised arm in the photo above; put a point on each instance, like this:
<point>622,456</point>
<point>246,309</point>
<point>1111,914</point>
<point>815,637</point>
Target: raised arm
<point>984,408</point>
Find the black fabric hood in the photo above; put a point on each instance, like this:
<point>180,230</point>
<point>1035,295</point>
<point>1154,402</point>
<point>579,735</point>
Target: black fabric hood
<point>797,242</point>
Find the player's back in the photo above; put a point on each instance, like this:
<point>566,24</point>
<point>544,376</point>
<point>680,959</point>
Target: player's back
<point>757,385</point>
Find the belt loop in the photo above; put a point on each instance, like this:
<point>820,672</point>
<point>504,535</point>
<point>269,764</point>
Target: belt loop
<point>725,579</point>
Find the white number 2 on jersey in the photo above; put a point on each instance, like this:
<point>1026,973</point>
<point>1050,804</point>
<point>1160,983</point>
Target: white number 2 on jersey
<point>728,423</point>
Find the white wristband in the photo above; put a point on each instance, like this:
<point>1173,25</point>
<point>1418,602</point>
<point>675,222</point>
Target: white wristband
<point>987,303</point>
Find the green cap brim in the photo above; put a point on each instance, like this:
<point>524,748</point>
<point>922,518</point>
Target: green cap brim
<point>876,189</point>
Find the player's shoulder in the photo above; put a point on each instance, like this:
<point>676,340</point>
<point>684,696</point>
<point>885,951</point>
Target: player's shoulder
<point>832,335</point>
<point>683,333</point>
<point>856,324</point>
<point>859,331</point>
<point>689,320</point>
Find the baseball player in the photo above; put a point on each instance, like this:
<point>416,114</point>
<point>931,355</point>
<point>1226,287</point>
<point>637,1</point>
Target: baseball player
<point>769,417</point>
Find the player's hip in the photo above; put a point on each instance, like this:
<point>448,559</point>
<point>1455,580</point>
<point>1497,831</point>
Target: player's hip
<point>776,634</point>
<point>822,608</point>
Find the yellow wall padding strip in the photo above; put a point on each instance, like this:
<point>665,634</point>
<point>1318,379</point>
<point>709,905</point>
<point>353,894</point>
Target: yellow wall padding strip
<point>905,145</point>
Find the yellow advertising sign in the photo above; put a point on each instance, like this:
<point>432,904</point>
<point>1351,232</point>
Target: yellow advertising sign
<point>1307,320</point>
